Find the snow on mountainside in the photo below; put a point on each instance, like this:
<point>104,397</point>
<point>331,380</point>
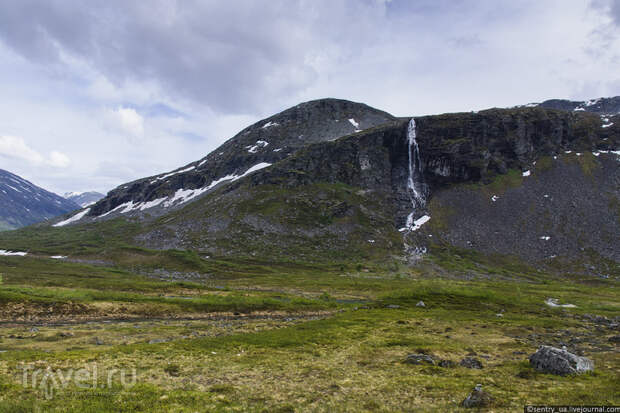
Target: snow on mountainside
<point>256,147</point>
<point>22,203</point>
<point>84,199</point>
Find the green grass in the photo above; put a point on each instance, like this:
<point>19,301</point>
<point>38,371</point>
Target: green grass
<point>322,337</point>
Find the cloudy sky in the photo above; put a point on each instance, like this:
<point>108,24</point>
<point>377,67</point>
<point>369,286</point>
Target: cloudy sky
<point>97,93</point>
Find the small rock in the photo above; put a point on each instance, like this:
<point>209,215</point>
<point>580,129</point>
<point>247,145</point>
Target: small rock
<point>471,363</point>
<point>614,339</point>
<point>416,358</point>
<point>34,330</point>
<point>477,398</point>
<point>448,364</point>
<point>393,306</point>
<point>66,334</point>
<point>98,341</point>
<point>420,304</point>
<point>157,340</point>
<point>560,362</point>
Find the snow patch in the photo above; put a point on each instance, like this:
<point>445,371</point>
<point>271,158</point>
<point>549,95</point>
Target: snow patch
<point>74,218</point>
<point>6,253</point>
<point>545,238</point>
<point>607,125</point>
<point>58,257</point>
<point>270,124</point>
<point>277,150</point>
<point>527,173</point>
<point>184,195</point>
<point>553,302</point>
<point>494,198</point>
<point>151,204</point>
<point>255,148</point>
<point>172,174</point>
<point>355,124</point>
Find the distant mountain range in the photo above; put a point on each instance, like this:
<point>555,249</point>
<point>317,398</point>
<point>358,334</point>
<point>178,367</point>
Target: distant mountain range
<point>23,203</point>
<point>84,199</point>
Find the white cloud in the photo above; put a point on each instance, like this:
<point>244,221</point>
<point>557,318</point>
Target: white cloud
<point>59,159</point>
<point>16,148</point>
<point>126,121</point>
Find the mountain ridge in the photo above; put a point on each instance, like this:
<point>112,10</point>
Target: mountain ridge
<point>23,203</point>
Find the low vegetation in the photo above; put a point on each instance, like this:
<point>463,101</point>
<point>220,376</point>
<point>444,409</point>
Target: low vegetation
<point>248,335</point>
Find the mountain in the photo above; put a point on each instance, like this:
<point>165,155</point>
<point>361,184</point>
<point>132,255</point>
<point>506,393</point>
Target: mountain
<point>22,203</point>
<point>601,106</point>
<point>257,146</point>
<point>337,180</point>
<point>84,199</point>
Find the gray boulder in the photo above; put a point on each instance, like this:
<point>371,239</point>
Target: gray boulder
<point>471,363</point>
<point>557,361</point>
<point>477,398</point>
<point>419,359</point>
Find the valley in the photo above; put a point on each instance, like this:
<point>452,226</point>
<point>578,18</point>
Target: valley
<point>254,336</point>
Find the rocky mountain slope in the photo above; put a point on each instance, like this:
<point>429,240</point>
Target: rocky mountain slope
<point>22,203</point>
<point>337,180</point>
<point>255,147</point>
<point>84,199</point>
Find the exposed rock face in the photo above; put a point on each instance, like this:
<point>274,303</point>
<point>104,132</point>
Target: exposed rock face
<point>22,203</point>
<point>556,361</point>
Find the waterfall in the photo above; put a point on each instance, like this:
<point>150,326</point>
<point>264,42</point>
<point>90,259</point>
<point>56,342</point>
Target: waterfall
<point>415,184</point>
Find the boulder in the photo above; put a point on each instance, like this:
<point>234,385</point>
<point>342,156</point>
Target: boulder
<point>419,359</point>
<point>477,398</point>
<point>471,363</point>
<point>560,362</point>
<point>420,304</point>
